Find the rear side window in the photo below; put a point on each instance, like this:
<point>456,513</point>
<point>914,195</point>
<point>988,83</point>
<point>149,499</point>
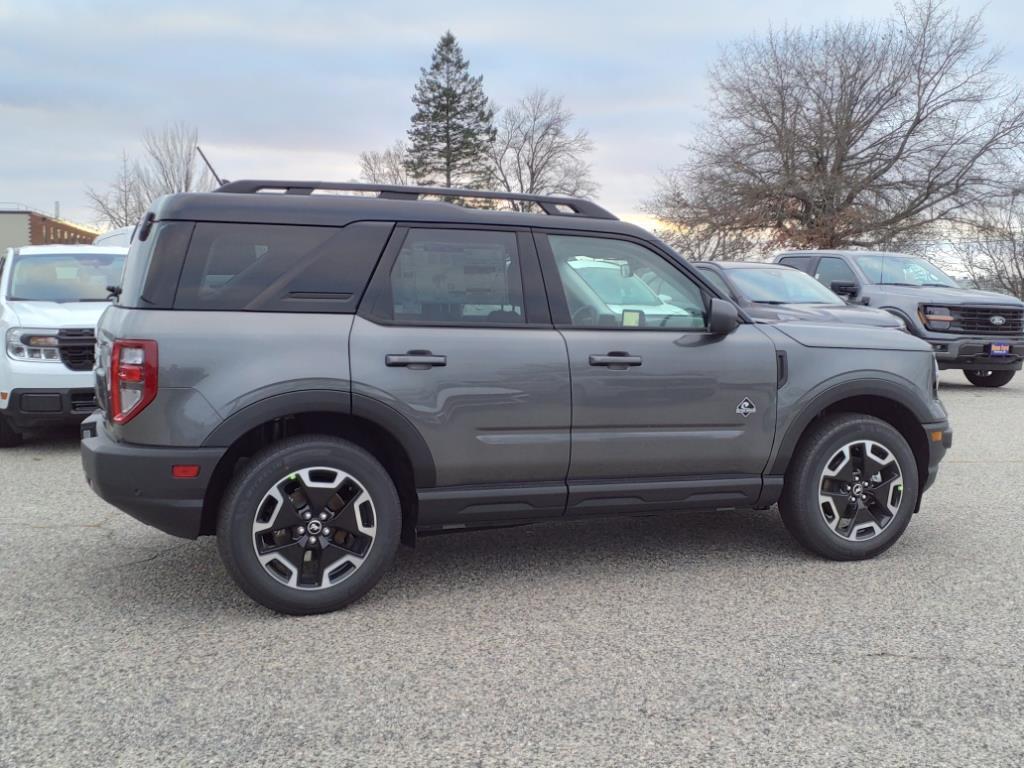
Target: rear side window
<point>279,268</point>
<point>799,262</point>
<point>831,269</point>
<point>461,277</point>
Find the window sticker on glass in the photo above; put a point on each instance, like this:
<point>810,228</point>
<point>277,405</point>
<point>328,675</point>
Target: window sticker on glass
<point>631,318</point>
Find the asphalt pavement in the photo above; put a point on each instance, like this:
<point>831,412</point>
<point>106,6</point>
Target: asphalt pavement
<point>698,639</point>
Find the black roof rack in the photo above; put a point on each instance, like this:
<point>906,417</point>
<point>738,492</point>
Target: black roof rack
<point>550,204</point>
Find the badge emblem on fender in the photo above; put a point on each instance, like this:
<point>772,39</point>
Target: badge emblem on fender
<point>746,407</point>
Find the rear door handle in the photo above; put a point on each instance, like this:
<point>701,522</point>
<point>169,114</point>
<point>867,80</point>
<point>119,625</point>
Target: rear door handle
<point>621,360</point>
<point>417,359</point>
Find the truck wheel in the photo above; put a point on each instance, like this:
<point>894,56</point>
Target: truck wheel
<point>309,525</point>
<point>989,378</point>
<point>851,488</point>
<point>8,437</point>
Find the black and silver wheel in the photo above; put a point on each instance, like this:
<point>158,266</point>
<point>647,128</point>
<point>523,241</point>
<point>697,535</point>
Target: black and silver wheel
<point>990,379</point>
<point>309,525</point>
<point>8,436</point>
<point>851,488</point>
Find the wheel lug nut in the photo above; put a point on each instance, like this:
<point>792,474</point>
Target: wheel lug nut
<point>323,515</point>
<point>302,530</point>
<point>307,516</point>
<point>327,531</point>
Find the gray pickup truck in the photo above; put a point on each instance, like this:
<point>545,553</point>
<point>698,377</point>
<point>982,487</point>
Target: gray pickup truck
<point>979,332</point>
<point>316,377</point>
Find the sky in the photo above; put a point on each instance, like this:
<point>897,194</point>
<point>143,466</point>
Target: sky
<point>297,89</point>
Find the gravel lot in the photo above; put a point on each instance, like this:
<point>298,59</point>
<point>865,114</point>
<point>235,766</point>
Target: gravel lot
<point>702,639</point>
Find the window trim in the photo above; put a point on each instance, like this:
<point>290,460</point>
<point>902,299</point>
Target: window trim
<point>535,302</point>
<point>556,293</point>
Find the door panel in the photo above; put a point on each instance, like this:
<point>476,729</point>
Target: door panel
<point>675,414</point>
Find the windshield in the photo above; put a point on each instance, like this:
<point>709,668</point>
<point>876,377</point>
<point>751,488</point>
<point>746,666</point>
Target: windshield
<point>64,277</point>
<point>784,285</point>
<point>903,270</point>
<point>613,288</point>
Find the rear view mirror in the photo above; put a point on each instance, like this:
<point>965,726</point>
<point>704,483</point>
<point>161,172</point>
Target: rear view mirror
<point>723,317</point>
<point>844,288</point>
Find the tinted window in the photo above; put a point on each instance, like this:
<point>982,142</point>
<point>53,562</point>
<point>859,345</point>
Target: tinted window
<point>716,280</point>
<point>831,269</point>
<point>457,276</point>
<point>617,284</point>
<point>277,268</point>
<point>799,262</point>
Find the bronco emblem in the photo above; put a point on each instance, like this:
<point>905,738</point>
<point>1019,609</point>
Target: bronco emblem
<point>746,407</point>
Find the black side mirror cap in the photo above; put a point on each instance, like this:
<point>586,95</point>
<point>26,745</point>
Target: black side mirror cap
<point>723,317</point>
<point>843,288</point>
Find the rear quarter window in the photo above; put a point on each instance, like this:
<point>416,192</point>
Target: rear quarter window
<point>279,268</point>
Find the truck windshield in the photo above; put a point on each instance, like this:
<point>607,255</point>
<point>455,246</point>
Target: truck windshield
<point>782,285</point>
<point>64,277</point>
<point>903,270</point>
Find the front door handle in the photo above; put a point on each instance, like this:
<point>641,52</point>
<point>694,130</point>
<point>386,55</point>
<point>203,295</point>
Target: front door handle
<point>417,359</point>
<point>617,360</point>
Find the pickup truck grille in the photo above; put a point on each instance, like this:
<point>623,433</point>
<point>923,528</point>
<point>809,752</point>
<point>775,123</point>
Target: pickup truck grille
<point>978,321</point>
<point>77,348</point>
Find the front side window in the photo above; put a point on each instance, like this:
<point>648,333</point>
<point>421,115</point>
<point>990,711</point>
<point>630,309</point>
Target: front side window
<point>64,277</point>
<point>780,285</point>
<point>832,270</point>
<point>461,277</point>
<point>617,284</point>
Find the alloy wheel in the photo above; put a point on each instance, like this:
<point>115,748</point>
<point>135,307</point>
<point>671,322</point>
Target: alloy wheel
<point>314,528</point>
<point>860,490</point>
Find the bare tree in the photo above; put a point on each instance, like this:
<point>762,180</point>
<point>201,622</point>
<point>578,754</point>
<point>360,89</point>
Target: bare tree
<point>386,167</point>
<point>989,243</point>
<point>169,164</point>
<point>123,202</point>
<point>857,134</point>
<point>537,151</point>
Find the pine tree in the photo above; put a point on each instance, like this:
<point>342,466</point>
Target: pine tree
<point>453,125</point>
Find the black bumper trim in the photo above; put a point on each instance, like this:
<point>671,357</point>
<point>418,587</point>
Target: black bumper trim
<point>31,408</point>
<point>936,450</point>
<point>137,479</point>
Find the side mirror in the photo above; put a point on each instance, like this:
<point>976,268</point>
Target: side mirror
<point>723,317</point>
<point>844,288</point>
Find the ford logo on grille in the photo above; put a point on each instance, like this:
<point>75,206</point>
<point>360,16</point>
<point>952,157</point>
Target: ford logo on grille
<point>997,320</point>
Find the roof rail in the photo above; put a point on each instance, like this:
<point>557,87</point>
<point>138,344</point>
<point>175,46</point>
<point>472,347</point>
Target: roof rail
<point>550,204</point>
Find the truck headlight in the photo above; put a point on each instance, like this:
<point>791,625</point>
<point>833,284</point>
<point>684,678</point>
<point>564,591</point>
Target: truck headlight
<point>33,344</point>
<point>936,318</point>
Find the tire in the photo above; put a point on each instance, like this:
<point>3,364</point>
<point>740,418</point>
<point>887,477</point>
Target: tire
<point>275,497</point>
<point>8,437</point>
<point>989,378</point>
<point>823,475</point>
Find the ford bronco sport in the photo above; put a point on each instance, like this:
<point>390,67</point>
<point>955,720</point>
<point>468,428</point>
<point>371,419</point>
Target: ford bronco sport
<point>317,377</point>
<point>50,299</point>
<point>978,332</point>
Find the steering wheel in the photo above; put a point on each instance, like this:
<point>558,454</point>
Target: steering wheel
<point>585,315</point>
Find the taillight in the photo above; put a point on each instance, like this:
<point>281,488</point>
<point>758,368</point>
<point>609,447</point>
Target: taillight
<point>133,378</point>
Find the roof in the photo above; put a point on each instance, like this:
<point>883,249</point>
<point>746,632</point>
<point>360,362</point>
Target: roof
<point>339,210</point>
<point>843,252</point>
<point>37,250</point>
<point>741,264</point>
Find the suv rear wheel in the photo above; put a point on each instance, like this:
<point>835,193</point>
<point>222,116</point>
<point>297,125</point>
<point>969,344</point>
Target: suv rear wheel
<point>309,525</point>
<point>8,437</point>
<point>989,378</point>
<point>851,488</point>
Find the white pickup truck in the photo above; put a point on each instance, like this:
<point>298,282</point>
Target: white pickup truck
<point>51,297</point>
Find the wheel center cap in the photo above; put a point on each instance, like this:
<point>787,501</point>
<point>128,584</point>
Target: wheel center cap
<point>314,527</point>
<point>858,489</point>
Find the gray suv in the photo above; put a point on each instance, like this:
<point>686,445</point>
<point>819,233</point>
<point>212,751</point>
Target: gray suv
<point>317,377</point>
<point>979,332</point>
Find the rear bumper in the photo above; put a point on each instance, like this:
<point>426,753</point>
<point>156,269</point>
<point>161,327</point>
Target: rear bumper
<point>973,353</point>
<point>940,439</point>
<point>32,408</point>
<point>137,479</point>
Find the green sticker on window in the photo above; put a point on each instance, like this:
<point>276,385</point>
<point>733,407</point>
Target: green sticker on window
<point>630,318</point>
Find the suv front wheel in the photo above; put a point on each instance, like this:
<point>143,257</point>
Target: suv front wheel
<point>989,378</point>
<point>851,488</point>
<point>309,525</point>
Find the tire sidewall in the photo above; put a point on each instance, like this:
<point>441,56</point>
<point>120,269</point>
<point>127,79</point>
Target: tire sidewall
<point>995,379</point>
<point>802,512</point>
<point>238,510</point>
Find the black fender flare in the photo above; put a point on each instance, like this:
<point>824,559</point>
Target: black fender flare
<point>891,388</point>
<point>341,402</point>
